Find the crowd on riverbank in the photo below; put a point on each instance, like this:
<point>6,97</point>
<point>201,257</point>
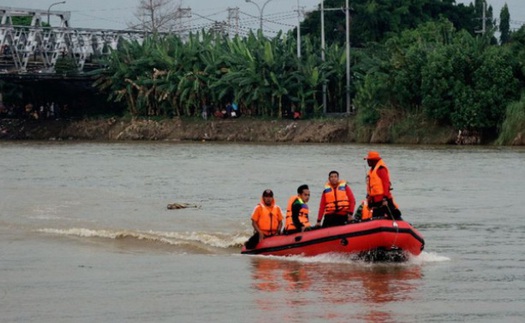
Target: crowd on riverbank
<point>45,111</point>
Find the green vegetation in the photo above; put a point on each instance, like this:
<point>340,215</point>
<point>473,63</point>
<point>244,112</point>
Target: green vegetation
<point>453,77</point>
<point>66,66</point>
<point>378,20</point>
<point>168,76</point>
<point>21,21</point>
<point>514,124</point>
<point>421,62</point>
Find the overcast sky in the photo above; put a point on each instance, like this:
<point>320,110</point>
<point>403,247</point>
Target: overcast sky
<point>278,14</point>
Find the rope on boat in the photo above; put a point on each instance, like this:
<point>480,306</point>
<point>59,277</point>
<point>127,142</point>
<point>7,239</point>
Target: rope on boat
<point>394,223</point>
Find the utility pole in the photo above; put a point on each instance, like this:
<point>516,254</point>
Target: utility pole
<point>484,19</point>
<point>323,54</point>
<point>233,14</point>
<point>261,11</point>
<point>49,9</point>
<point>179,15</point>
<point>219,27</point>
<point>323,47</point>
<point>347,14</point>
<point>300,11</point>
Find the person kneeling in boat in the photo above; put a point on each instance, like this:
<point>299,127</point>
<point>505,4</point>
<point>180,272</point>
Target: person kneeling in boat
<point>337,202</point>
<point>378,189</point>
<point>267,219</point>
<point>297,211</point>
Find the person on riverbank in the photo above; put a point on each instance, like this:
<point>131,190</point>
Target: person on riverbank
<point>205,112</point>
<point>267,219</point>
<point>297,211</point>
<point>379,189</point>
<point>337,202</point>
<point>235,110</point>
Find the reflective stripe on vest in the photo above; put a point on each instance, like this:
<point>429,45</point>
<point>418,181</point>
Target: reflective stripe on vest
<point>336,200</point>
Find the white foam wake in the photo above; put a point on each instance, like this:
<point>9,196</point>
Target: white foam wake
<point>425,257</point>
<point>217,240</point>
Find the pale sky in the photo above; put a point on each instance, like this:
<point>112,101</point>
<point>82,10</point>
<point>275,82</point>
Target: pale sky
<point>278,14</point>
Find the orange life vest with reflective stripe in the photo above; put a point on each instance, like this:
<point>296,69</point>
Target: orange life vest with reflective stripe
<point>303,213</point>
<point>336,199</point>
<point>374,185</point>
<point>269,218</point>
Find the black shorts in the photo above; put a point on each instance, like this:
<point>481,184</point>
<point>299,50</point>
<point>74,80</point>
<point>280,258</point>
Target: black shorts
<point>332,220</point>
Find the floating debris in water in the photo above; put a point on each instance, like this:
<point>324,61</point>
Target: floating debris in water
<point>175,206</point>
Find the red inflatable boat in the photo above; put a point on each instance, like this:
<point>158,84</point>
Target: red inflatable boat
<point>376,240</point>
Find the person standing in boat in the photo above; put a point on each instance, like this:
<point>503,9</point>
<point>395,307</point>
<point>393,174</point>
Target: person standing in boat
<point>267,219</point>
<point>337,202</point>
<point>379,187</point>
<point>297,211</point>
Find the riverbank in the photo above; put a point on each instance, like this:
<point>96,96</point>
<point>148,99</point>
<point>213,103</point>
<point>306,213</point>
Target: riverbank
<point>247,130</point>
<point>332,130</point>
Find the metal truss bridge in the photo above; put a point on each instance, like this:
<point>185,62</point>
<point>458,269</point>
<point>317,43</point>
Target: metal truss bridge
<point>35,49</point>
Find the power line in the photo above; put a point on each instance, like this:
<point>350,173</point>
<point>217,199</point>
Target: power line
<point>273,17</point>
<point>275,21</point>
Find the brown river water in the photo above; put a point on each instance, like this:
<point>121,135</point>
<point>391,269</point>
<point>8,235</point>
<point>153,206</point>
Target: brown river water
<point>85,235</point>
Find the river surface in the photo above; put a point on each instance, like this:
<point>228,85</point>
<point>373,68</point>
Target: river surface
<point>85,235</point>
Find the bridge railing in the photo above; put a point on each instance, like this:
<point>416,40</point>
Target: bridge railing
<point>38,47</point>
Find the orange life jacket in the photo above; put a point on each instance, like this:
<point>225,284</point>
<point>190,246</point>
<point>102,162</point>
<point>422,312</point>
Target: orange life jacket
<point>374,185</point>
<point>303,214</point>
<point>366,213</point>
<point>269,218</point>
<point>336,200</point>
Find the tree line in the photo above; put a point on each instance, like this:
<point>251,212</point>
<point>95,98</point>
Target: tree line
<point>422,58</point>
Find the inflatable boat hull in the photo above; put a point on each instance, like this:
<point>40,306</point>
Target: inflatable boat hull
<point>377,239</point>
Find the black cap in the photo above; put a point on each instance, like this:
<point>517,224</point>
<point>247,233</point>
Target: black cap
<point>267,193</point>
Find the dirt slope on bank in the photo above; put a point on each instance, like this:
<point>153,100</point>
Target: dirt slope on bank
<point>336,130</point>
<point>244,129</point>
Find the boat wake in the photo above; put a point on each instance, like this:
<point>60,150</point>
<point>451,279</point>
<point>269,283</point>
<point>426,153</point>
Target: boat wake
<point>427,257</point>
<point>185,242</point>
<point>206,243</point>
<point>338,258</point>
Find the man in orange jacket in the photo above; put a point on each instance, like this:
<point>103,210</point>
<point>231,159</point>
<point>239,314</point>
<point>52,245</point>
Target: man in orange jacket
<point>267,219</point>
<point>337,202</point>
<point>378,188</point>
